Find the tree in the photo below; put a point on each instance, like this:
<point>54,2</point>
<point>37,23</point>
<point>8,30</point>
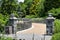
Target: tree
<point>32,7</point>
<point>8,7</point>
<point>49,4</point>
<point>36,7</point>
<point>24,8</point>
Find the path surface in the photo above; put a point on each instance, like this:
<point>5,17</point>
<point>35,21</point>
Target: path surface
<point>37,28</point>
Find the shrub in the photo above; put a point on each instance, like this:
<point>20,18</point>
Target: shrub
<point>56,36</point>
<point>30,16</point>
<point>38,20</point>
<point>5,38</point>
<point>57,26</point>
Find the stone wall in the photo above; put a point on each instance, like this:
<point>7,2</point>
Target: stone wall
<point>33,37</point>
<point>28,36</point>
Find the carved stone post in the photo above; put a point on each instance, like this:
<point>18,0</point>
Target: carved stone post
<point>13,22</point>
<point>50,24</point>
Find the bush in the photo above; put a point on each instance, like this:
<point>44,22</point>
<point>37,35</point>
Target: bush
<point>38,20</point>
<point>57,26</point>
<point>30,16</point>
<point>56,36</point>
<point>5,38</point>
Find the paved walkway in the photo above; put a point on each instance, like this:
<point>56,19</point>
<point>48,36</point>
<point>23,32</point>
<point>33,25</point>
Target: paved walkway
<point>37,28</point>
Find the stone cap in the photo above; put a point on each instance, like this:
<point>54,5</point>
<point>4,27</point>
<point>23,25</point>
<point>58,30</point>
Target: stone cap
<point>12,16</point>
<point>50,16</point>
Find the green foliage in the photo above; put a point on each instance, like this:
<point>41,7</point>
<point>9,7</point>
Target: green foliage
<point>39,8</point>
<point>57,26</point>
<point>37,20</point>
<point>30,16</point>
<point>36,7</point>
<point>55,12</point>
<point>32,7</point>
<point>8,7</point>
<point>56,36</point>
<point>28,9</point>
<point>5,38</point>
<point>3,20</point>
<point>8,38</point>
<point>24,8</point>
<point>49,4</point>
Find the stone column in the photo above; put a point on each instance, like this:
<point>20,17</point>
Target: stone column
<point>13,22</point>
<point>49,24</point>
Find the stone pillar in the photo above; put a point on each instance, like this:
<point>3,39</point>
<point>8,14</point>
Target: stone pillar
<point>50,24</point>
<point>13,22</point>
